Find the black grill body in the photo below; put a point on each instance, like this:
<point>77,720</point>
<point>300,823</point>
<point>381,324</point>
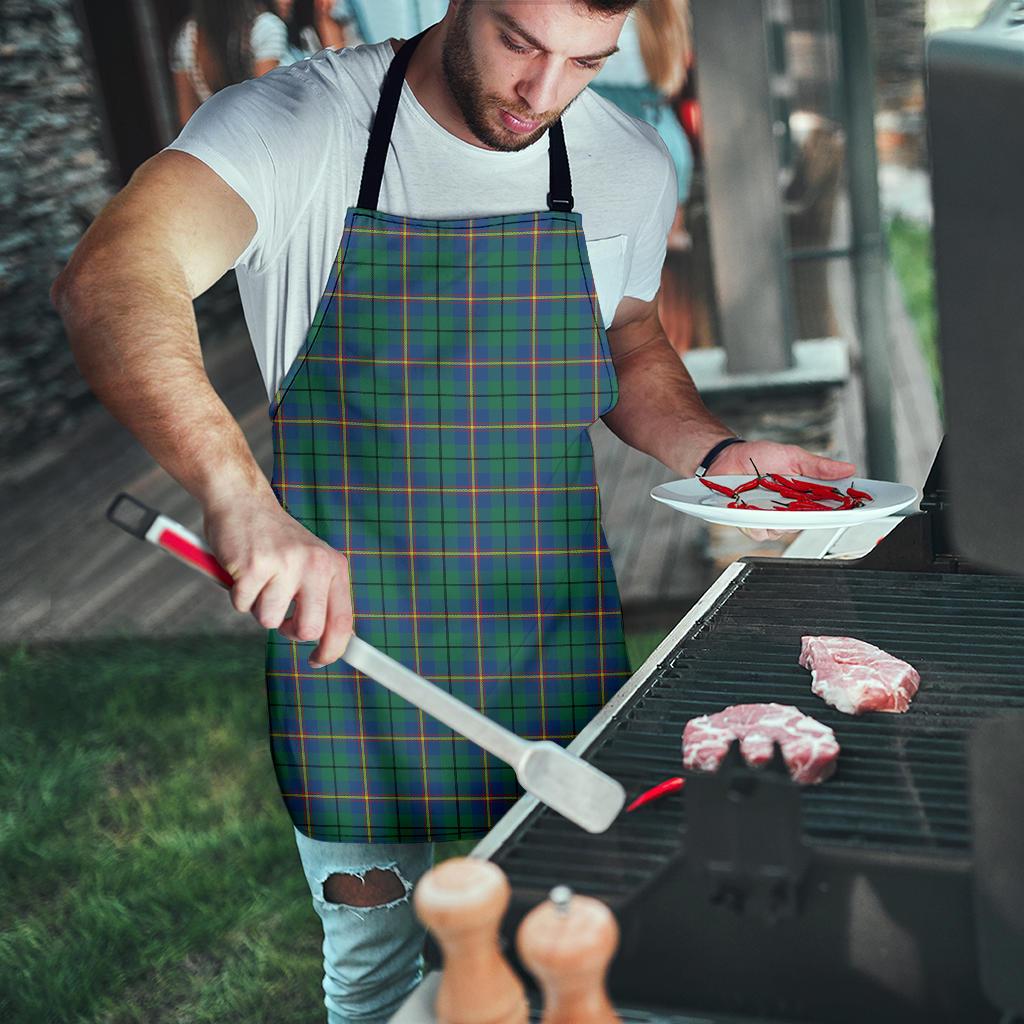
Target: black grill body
<point>847,901</point>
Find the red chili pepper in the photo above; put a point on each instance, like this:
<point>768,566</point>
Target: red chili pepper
<point>810,487</point>
<point>660,790</point>
<point>807,506</point>
<point>862,495</point>
<point>750,485</point>
<point>787,492</point>
<point>717,487</point>
<point>743,504</point>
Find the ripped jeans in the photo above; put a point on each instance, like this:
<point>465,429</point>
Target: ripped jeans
<point>373,956</point>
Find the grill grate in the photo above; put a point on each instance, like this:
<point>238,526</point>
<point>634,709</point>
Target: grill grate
<point>901,785</point>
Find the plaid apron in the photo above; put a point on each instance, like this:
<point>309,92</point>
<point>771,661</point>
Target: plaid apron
<point>433,428</point>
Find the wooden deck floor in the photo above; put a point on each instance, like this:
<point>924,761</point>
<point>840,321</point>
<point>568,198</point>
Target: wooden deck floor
<point>69,573</point>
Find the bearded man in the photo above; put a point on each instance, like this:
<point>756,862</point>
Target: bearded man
<point>449,253</point>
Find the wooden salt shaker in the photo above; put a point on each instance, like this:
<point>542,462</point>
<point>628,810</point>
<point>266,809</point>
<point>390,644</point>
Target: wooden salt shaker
<point>462,901</point>
<point>567,943</point>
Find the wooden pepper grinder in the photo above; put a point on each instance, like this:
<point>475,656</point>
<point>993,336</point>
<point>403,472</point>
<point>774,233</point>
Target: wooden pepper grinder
<point>567,943</point>
<point>462,901</point>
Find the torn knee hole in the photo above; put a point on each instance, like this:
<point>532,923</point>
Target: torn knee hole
<point>375,888</point>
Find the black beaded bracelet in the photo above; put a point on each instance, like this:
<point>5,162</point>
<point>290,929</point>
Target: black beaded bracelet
<point>705,463</point>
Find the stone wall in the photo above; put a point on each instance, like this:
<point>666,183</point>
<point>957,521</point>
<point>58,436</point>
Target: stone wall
<point>54,178</point>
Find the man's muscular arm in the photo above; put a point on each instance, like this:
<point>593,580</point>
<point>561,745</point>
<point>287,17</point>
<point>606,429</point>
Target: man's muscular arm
<point>126,301</point>
<point>660,412</point>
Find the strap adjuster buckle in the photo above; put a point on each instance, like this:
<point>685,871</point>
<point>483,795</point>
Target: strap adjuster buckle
<point>559,204</point>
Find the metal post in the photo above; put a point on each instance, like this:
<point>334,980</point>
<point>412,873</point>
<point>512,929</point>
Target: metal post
<point>742,173</point>
<point>154,63</point>
<point>867,241</point>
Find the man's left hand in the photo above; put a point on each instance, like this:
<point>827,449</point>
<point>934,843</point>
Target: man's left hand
<point>771,457</point>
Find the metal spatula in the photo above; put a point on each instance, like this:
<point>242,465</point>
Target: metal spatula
<point>575,789</point>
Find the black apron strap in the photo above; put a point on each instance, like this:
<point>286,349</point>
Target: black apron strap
<point>559,187</point>
<point>383,122</point>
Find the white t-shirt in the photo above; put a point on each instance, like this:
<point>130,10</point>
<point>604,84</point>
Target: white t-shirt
<point>292,145</point>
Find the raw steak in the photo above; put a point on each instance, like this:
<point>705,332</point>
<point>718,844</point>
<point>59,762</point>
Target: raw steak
<point>855,677</point>
<point>808,747</point>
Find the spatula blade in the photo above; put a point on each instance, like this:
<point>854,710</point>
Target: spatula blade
<point>571,786</point>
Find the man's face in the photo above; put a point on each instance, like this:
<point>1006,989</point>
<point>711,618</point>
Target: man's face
<point>513,66</point>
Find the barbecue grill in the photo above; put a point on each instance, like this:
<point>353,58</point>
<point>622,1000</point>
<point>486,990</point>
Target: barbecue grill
<point>748,896</point>
<point>895,890</point>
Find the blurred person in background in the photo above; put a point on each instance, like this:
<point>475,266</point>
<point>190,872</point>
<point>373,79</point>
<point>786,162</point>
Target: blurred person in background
<point>645,79</point>
<point>221,43</point>
<point>375,20</point>
<point>313,25</point>
<point>647,75</point>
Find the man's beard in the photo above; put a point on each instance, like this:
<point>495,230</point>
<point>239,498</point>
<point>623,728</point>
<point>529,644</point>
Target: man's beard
<point>465,84</point>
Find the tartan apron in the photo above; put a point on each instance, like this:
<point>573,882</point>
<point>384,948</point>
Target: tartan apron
<point>433,428</point>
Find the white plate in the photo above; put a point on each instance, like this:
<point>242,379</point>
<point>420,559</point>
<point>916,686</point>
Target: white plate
<point>693,498</point>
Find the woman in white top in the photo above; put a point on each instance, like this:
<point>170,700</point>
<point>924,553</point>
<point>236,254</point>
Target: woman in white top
<point>224,42</point>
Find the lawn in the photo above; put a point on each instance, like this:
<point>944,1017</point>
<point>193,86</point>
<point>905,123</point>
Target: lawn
<point>149,871</point>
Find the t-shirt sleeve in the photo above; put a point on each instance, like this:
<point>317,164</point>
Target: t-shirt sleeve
<point>652,238</point>
<point>269,38</point>
<point>269,140</point>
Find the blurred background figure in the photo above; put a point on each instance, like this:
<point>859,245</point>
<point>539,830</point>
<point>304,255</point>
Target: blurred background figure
<point>314,25</point>
<point>223,42</point>
<point>375,20</point>
<point>646,79</point>
<point>647,75</point>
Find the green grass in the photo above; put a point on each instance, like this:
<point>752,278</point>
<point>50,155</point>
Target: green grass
<point>910,247</point>
<point>639,646</point>
<point>149,872</point>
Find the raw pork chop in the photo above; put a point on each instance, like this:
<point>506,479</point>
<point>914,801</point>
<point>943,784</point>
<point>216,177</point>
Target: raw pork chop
<point>855,677</point>
<point>808,747</point>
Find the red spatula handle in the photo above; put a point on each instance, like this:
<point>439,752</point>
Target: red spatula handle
<point>147,524</point>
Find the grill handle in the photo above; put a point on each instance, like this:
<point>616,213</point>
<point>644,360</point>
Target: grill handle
<point>744,835</point>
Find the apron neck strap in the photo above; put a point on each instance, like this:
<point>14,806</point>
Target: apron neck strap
<point>560,185</point>
<point>383,122</point>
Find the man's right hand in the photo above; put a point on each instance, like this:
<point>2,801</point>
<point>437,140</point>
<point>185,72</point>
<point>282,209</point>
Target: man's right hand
<point>274,560</point>
<point>158,244</point>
